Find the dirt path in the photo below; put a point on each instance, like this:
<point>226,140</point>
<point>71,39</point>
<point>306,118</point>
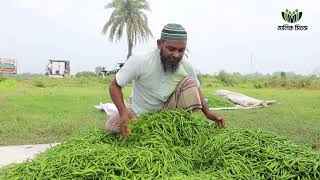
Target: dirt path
<point>20,153</point>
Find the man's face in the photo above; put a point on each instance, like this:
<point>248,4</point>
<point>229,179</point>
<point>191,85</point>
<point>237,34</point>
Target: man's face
<point>171,53</point>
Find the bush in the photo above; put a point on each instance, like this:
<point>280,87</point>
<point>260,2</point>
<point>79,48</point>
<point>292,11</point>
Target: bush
<point>39,82</point>
<point>2,78</point>
<point>72,81</point>
<point>259,81</point>
<point>260,84</point>
<point>86,74</point>
<point>227,79</point>
<point>8,83</point>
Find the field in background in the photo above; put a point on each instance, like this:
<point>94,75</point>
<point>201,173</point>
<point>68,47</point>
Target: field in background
<point>42,110</point>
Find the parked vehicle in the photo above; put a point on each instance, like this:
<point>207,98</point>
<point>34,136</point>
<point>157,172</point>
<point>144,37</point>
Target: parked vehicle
<point>113,70</point>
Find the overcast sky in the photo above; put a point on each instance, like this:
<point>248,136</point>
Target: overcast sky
<point>222,35</point>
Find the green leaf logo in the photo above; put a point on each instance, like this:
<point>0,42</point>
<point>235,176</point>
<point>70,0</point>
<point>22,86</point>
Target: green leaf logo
<point>291,17</point>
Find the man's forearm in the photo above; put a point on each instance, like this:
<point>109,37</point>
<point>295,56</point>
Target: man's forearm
<point>117,97</point>
<point>205,107</point>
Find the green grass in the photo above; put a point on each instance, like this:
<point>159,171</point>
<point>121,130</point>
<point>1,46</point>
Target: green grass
<point>31,114</point>
<point>8,84</point>
<point>61,107</point>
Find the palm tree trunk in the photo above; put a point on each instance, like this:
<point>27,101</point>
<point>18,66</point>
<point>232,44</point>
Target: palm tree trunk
<point>130,46</point>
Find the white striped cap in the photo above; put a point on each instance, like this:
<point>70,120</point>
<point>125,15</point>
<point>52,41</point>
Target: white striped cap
<point>173,32</point>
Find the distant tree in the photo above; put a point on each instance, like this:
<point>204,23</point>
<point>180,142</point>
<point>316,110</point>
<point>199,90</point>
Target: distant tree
<point>28,74</point>
<point>128,16</point>
<point>226,78</point>
<point>86,74</point>
<point>236,74</point>
<point>316,72</point>
<point>289,74</point>
<point>98,70</point>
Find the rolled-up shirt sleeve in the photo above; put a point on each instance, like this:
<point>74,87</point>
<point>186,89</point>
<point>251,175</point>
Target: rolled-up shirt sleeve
<point>128,72</point>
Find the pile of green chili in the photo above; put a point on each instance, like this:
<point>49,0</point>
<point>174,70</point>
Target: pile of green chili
<point>172,145</point>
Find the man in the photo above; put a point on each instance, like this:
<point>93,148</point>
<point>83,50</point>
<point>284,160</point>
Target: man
<point>162,79</point>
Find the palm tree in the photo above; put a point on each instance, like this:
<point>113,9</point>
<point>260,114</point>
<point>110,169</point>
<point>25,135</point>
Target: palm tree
<point>128,15</point>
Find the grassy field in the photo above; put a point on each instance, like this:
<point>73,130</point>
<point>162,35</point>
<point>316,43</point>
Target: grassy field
<point>43,110</point>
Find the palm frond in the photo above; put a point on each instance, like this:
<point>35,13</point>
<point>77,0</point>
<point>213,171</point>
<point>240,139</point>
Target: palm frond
<point>129,16</point>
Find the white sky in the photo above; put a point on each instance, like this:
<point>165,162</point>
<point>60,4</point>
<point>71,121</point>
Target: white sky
<point>222,34</point>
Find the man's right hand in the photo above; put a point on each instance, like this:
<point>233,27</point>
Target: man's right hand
<point>125,118</point>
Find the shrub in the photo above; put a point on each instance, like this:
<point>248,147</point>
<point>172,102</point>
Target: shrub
<point>260,84</point>
<point>8,83</point>
<point>2,77</point>
<point>227,79</point>
<point>86,74</point>
<point>39,82</point>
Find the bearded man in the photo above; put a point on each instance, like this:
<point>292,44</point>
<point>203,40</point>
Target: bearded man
<point>163,79</point>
